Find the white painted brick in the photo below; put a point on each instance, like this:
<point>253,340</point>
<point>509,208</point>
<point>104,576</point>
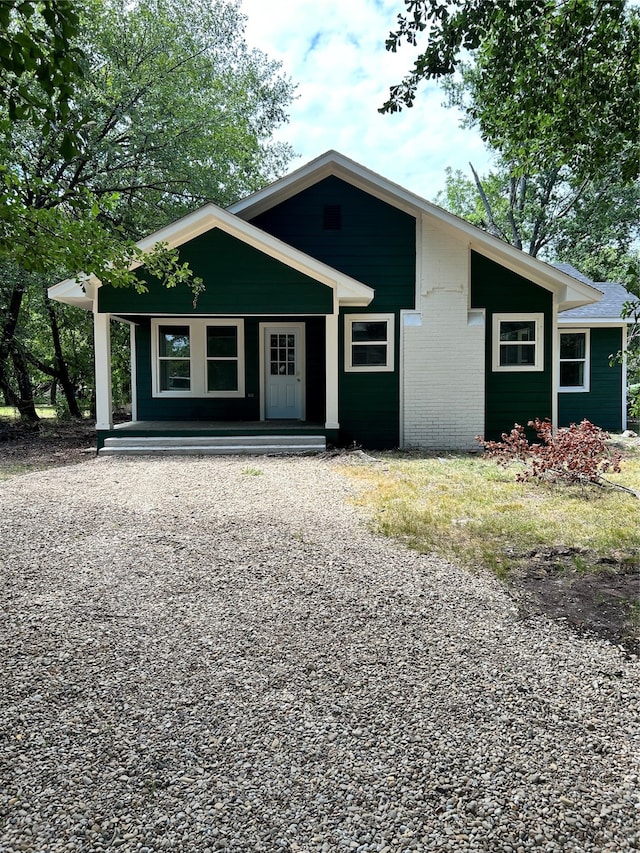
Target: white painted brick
<point>443,386</point>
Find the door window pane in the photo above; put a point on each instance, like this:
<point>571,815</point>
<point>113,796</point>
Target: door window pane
<point>282,355</point>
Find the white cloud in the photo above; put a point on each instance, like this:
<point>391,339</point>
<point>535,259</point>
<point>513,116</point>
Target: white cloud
<point>334,50</point>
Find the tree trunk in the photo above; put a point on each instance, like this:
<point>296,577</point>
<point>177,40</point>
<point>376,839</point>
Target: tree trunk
<point>24,401</point>
<point>62,371</point>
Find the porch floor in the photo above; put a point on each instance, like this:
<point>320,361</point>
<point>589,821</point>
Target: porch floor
<point>221,427</point>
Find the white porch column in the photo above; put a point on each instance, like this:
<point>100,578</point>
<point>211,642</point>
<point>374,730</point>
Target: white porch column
<point>102,350</point>
<point>134,373</point>
<point>331,364</point>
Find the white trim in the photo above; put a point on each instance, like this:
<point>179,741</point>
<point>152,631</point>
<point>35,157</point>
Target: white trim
<point>586,386</point>
<point>332,369</point>
<point>419,284</point>
<point>602,322</point>
<point>349,320</point>
<point>624,378</point>
<point>555,354</point>
<point>102,349</point>
<point>198,357</point>
<point>262,330</point>
<point>134,372</point>
<point>496,343</point>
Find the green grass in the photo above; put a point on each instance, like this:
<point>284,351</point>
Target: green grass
<point>9,413</point>
<point>468,509</point>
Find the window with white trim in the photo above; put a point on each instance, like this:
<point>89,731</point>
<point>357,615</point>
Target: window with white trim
<point>198,357</point>
<point>574,360</point>
<point>174,358</point>
<point>368,346</point>
<point>518,342</point>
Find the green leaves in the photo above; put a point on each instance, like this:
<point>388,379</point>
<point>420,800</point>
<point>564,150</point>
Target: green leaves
<point>38,64</point>
<point>551,82</point>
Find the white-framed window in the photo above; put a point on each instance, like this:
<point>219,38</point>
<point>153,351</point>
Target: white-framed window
<point>369,343</point>
<point>574,360</point>
<point>201,357</point>
<point>518,342</point>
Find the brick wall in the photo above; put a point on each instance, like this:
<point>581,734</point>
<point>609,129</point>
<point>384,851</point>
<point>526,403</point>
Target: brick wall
<point>443,350</point>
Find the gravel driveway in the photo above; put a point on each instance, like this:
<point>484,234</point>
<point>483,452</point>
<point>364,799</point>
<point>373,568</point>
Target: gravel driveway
<point>215,653</point>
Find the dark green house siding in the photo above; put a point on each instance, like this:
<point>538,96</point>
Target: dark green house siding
<point>602,404</point>
<point>230,409</point>
<point>238,280</point>
<point>375,243</point>
<point>516,397</point>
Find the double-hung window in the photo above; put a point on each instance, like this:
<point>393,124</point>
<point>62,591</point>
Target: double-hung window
<point>369,346</point>
<point>198,358</point>
<point>518,342</point>
<point>574,361</point>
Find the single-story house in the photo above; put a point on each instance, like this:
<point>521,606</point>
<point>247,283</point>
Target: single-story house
<point>337,302</point>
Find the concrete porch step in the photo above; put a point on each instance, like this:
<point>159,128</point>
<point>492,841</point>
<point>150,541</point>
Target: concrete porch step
<point>212,445</point>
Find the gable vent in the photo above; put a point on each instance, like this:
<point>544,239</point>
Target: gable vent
<point>332,218</point>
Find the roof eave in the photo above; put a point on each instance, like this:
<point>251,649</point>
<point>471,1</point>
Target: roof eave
<point>79,291</point>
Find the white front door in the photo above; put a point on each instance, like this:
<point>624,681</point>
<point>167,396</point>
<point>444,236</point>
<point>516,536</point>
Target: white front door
<point>284,371</point>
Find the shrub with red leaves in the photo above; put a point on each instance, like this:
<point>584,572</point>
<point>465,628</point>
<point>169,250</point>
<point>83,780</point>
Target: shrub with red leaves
<point>574,454</point>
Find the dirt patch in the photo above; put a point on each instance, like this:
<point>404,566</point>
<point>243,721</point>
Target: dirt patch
<point>591,595</point>
<point>46,445</point>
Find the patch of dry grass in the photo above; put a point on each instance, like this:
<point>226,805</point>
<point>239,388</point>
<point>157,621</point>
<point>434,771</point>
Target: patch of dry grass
<point>469,509</point>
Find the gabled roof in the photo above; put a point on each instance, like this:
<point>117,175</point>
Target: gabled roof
<point>570,292</point>
<point>74,291</point>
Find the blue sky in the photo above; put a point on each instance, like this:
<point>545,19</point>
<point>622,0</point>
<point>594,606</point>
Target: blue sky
<point>334,51</point>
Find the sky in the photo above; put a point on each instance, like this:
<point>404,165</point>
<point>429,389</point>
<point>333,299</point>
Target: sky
<point>334,51</point>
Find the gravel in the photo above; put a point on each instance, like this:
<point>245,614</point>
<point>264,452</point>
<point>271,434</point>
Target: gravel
<point>204,654</point>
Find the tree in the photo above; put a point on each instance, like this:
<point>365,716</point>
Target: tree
<point>592,225</point>
<point>551,83</point>
<point>174,110</point>
<point>36,46</point>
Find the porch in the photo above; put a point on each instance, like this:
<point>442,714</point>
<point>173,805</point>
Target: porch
<point>214,437</point>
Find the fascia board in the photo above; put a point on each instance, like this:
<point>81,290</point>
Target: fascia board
<point>595,321</point>
<point>329,164</point>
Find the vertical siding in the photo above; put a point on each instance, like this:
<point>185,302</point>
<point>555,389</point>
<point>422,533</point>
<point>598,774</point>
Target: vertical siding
<point>516,397</point>
<point>602,404</point>
<point>375,244</point>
